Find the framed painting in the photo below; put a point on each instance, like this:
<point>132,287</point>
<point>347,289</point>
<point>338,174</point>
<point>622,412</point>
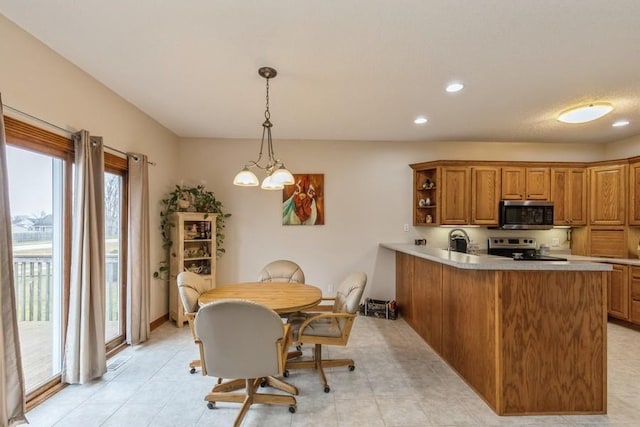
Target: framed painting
<point>303,202</point>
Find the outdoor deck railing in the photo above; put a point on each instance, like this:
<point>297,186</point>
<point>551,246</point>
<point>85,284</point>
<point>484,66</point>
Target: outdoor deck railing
<point>33,281</point>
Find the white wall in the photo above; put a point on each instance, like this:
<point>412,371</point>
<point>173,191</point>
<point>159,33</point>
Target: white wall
<point>623,149</point>
<point>36,80</point>
<point>367,201</point>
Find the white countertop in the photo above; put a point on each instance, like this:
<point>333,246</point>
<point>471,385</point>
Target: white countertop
<point>492,262</point>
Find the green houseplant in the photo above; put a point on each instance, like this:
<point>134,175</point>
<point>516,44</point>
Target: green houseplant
<point>185,198</point>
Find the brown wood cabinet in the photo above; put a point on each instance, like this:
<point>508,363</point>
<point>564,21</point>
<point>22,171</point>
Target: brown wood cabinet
<point>404,285</point>
<point>634,193</point>
<point>569,196</point>
<point>454,197</point>
<point>618,292</point>
<point>485,195</point>
<point>426,196</point>
<point>608,194</point>
<point>525,183</point>
<point>634,295</point>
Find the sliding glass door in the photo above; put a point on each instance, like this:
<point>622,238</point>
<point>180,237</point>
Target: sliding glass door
<point>114,265</point>
<point>36,194</point>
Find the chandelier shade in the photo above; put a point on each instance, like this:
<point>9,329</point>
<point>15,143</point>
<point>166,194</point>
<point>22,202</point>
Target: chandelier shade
<point>246,178</point>
<point>277,175</point>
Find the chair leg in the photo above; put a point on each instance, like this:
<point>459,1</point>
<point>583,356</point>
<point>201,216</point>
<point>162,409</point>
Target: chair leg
<point>193,365</point>
<point>248,401</point>
<point>317,358</point>
<point>318,364</point>
<point>281,385</point>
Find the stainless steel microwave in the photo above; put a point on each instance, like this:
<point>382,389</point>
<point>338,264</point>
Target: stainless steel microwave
<point>526,215</point>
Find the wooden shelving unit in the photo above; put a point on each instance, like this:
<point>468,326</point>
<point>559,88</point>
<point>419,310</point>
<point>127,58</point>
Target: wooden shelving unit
<point>193,249</point>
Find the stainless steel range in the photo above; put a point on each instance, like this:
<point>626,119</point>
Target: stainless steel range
<point>518,248</point>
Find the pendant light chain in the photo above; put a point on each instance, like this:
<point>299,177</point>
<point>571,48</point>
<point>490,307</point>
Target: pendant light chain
<point>267,114</point>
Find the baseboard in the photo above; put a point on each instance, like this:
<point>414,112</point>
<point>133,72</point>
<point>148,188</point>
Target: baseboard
<point>159,321</point>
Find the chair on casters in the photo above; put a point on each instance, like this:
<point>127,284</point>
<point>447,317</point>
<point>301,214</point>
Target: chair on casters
<point>243,339</point>
<point>190,286</point>
<point>330,328</point>
<point>281,270</point>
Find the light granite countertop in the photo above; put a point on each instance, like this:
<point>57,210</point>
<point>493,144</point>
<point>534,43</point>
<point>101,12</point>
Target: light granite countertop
<point>492,262</point>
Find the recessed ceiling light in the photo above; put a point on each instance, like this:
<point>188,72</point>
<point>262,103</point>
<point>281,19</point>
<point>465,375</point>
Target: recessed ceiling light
<point>620,123</point>
<point>585,113</point>
<point>420,120</point>
<point>454,87</point>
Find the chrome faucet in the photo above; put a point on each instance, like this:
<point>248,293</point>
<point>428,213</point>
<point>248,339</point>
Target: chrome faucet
<point>464,234</point>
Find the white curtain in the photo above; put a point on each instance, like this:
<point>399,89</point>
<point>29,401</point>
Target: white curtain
<point>138,279</point>
<point>12,400</point>
<point>85,355</point>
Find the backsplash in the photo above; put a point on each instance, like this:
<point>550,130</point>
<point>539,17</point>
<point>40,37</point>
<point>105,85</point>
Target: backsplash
<point>558,239</point>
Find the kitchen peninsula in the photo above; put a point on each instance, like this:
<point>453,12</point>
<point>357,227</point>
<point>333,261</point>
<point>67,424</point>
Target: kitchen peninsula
<point>529,337</point>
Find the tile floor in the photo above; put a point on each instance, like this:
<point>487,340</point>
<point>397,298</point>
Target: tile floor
<point>398,381</point>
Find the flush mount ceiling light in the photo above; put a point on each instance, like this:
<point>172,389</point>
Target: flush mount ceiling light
<point>585,113</point>
<point>454,87</point>
<point>620,123</point>
<point>277,174</point>
<point>420,120</point>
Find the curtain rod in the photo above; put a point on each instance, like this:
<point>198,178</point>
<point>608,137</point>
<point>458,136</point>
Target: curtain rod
<point>70,132</point>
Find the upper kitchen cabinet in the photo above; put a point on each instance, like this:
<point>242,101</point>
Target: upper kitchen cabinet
<point>634,192</point>
<point>455,193</point>
<point>569,196</point>
<point>525,183</point>
<point>608,193</point>
<point>485,195</point>
<point>426,184</point>
<point>455,198</point>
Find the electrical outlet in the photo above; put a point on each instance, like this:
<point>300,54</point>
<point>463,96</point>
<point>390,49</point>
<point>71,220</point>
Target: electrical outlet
<point>406,227</point>
<point>555,242</point>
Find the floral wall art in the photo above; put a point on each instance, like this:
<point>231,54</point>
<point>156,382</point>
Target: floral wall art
<point>303,202</point>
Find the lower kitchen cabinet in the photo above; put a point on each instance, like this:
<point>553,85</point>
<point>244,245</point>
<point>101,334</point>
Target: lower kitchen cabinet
<point>634,295</point>
<point>618,292</point>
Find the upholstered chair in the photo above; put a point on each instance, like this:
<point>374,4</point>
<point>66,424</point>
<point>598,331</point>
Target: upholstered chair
<point>190,286</point>
<point>329,328</point>
<point>243,339</point>
<point>281,270</point>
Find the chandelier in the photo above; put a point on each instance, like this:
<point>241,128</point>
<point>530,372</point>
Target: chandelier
<point>277,174</point>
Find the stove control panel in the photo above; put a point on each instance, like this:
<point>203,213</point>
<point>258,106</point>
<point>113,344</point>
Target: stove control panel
<point>512,242</point>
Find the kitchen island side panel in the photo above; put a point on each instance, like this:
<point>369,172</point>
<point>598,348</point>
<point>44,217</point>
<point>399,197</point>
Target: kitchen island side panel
<point>553,342</point>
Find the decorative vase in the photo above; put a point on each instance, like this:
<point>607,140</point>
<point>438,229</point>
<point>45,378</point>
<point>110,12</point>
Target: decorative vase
<point>184,204</point>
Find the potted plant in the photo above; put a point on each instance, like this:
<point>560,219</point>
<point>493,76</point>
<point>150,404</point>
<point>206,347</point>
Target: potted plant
<point>185,198</point>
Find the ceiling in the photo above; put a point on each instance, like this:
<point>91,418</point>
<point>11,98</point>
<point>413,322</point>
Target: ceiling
<point>357,69</point>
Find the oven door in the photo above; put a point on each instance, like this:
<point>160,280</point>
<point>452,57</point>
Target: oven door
<point>526,215</point>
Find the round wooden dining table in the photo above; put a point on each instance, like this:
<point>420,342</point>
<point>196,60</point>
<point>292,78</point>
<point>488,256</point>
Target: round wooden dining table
<point>281,297</point>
